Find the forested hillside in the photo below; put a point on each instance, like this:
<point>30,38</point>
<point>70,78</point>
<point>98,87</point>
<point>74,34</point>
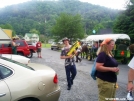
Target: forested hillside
<point>41,15</point>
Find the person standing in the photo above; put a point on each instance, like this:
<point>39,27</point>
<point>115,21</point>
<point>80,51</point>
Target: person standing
<point>107,69</point>
<point>38,47</point>
<point>78,52</point>
<point>70,67</point>
<point>14,46</point>
<point>130,85</point>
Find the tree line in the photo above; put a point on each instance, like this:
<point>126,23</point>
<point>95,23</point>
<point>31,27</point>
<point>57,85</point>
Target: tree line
<point>41,16</point>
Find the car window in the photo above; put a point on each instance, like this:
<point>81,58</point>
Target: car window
<point>5,72</point>
<point>7,45</point>
<point>0,45</point>
<point>18,63</point>
<point>21,43</point>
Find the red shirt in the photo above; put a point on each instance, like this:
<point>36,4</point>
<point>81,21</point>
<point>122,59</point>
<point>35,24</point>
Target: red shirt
<point>38,45</point>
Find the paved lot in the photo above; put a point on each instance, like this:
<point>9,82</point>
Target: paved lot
<point>84,87</point>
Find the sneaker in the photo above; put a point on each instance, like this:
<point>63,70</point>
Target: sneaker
<point>69,87</point>
<point>40,57</point>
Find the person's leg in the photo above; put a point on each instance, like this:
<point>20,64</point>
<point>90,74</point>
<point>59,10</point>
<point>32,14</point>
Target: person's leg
<point>77,58</point>
<point>67,68</point>
<point>39,51</point>
<point>73,73</point>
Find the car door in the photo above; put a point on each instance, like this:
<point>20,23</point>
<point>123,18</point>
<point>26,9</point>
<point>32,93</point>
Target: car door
<point>1,50</point>
<point>4,90</point>
<point>7,48</point>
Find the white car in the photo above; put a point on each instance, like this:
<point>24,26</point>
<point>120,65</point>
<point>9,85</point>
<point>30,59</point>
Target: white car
<point>18,58</point>
<point>32,82</point>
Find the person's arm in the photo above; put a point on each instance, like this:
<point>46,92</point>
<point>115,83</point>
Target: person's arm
<point>14,44</point>
<point>100,67</point>
<point>65,57</point>
<point>101,59</point>
<point>130,85</point>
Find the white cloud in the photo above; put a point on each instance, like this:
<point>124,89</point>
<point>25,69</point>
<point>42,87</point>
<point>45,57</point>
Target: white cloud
<point>114,4</point>
<point>4,3</point>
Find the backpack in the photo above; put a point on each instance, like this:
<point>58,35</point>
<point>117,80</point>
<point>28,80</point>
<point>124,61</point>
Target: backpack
<point>94,71</point>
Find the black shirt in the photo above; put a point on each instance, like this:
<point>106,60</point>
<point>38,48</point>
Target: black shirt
<point>108,62</point>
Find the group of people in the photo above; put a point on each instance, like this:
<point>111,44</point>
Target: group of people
<point>106,66</point>
<point>14,47</point>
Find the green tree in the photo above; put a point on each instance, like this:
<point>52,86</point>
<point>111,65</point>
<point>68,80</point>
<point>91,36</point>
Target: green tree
<point>124,23</point>
<point>8,26</point>
<point>34,31</point>
<point>68,25</point>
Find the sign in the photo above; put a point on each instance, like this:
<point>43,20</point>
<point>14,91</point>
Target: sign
<point>93,31</point>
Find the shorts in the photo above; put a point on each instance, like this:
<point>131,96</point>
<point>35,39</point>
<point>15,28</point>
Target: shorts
<point>106,90</point>
<point>38,49</point>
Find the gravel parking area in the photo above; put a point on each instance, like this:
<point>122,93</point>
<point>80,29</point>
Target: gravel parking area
<point>84,87</point>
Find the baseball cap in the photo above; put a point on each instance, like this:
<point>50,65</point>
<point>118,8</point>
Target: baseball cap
<point>107,40</point>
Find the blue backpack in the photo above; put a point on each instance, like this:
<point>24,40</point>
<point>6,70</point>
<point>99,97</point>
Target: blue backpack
<point>94,71</point>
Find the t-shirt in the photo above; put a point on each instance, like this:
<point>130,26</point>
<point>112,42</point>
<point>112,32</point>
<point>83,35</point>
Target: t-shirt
<point>38,45</point>
<point>69,61</point>
<point>108,62</point>
<point>131,63</point>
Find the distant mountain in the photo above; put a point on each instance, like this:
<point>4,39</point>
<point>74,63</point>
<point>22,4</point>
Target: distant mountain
<point>41,15</point>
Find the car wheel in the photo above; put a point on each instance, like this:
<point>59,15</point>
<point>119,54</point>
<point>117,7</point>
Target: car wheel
<point>89,57</point>
<point>51,48</point>
<point>30,55</point>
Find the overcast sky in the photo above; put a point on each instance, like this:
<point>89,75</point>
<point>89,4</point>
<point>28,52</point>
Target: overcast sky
<point>114,4</point>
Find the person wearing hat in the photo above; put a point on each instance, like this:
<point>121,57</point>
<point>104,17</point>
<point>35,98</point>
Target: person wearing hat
<point>70,67</point>
<point>78,52</point>
<point>14,46</point>
<point>107,70</point>
<point>38,47</point>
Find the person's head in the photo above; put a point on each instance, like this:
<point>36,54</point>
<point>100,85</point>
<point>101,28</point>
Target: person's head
<point>106,46</point>
<point>14,39</point>
<point>131,48</point>
<point>65,40</point>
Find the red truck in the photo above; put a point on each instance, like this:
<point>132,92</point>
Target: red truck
<point>23,48</point>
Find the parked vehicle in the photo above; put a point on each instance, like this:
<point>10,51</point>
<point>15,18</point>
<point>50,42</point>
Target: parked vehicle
<point>32,82</point>
<point>57,46</point>
<point>22,49</point>
<point>32,49</point>
<point>18,58</point>
<point>121,52</point>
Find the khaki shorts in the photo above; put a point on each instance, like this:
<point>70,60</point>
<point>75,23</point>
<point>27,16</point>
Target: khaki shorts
<point>38,49</point>
<point>106,90</point>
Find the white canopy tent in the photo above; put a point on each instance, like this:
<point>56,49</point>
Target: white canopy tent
<point>104,36</point>
<point>4,38</point>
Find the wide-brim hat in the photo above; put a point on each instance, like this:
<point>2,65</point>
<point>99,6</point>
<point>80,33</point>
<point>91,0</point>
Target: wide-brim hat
<point>65,39</point>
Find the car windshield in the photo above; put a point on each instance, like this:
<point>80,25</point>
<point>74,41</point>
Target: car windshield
<point>18,63</point>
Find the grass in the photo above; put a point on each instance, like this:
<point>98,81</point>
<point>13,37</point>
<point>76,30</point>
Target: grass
<point>46,45</point>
